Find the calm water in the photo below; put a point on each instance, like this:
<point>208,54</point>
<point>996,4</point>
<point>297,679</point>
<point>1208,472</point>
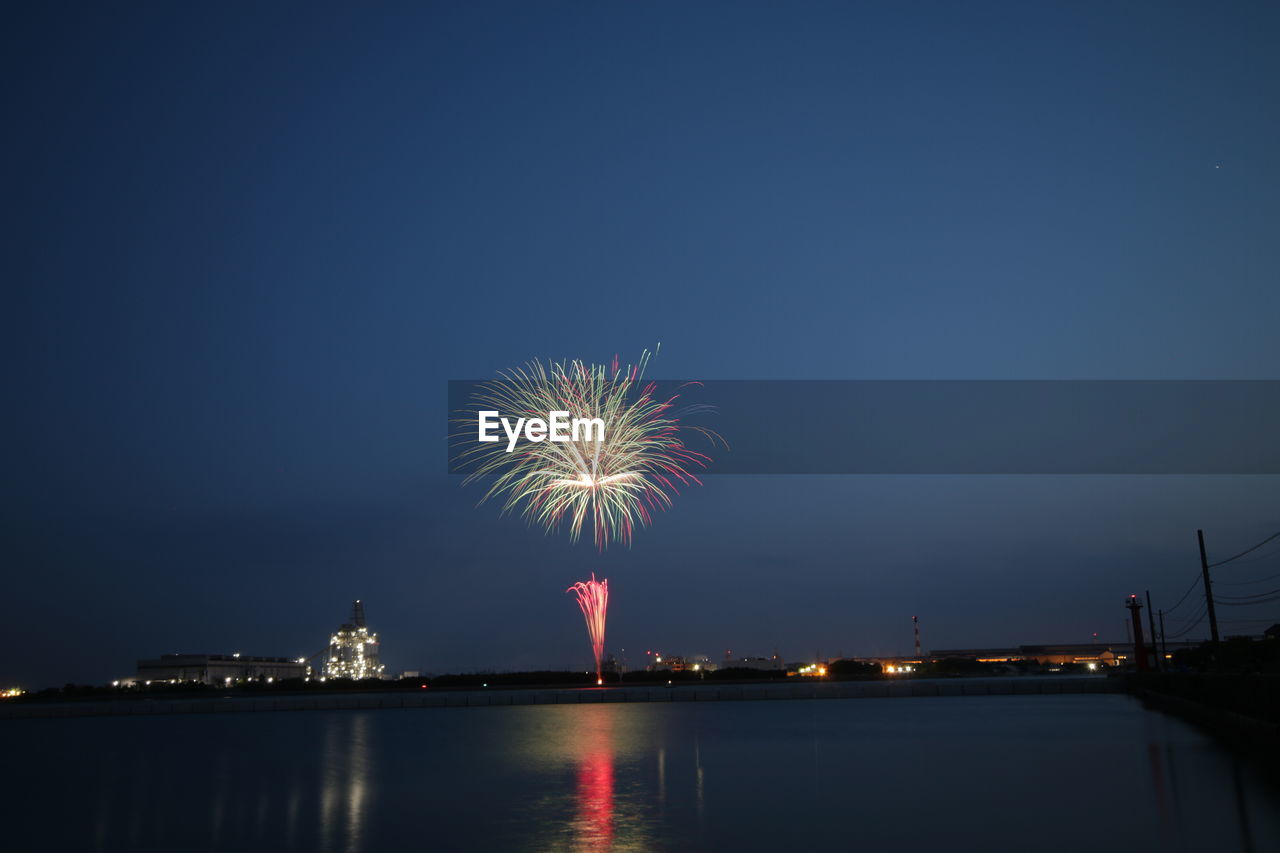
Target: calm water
<point>1094,772</point>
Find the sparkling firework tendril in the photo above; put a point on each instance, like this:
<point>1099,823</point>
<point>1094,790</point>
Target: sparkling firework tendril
<point>611,485</point>
<point>593,599</point>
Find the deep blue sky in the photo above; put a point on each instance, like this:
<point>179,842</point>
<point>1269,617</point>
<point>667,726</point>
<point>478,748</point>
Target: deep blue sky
<point>246,247</point>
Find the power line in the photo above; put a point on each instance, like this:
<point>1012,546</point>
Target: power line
<point>1200,614</point>
<point>1249,603</point>
<point>1275,535</point>
<point>1194,620</point>
<point>1246,583</point>
<point>1182,633</point>
<point>1265,555</point>
<point>1206,608</point>
<point>1194,582</point>
<point>1189,628</point>
<point>1246,597</point>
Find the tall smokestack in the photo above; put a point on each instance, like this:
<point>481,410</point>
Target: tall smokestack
<point>357,614</point>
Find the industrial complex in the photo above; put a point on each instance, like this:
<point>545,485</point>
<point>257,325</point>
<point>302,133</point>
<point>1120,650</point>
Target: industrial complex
<point>352,653</point>
<point>353,649</point>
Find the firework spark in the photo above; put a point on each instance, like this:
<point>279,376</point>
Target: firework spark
<point>593,599</point>
<point>611,484</point>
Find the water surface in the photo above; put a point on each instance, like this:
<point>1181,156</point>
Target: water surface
<point>1089,772</point>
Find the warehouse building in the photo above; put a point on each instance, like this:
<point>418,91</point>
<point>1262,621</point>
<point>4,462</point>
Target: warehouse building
<point>219,669</point>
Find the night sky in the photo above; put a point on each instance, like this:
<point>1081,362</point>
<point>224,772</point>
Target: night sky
<point>245,249</point>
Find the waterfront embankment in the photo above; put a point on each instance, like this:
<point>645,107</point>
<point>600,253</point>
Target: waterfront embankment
<point>994,686</point>
<point>1241,709</point>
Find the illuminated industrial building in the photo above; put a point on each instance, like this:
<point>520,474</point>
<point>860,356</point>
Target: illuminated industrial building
<point>1093,656</point>
<point>678,663</point>
<point>217,669</point>
<point>809,670</point>
<point>771,664</point>
<point>353,649</point>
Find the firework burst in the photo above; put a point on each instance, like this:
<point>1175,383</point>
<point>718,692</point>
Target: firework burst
<point>593,599</point>
<point>610,485</point>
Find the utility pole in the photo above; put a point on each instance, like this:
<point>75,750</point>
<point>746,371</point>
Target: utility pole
<point>1139,645</point>
<point>1208,589</point>
<point>1164,645</point>
<point>1151,622</point>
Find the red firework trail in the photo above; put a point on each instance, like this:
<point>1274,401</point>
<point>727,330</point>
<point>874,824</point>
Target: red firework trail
<point>593,598</point>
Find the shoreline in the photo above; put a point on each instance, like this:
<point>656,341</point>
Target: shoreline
<point>510,697</point>
<point>1208,706</point>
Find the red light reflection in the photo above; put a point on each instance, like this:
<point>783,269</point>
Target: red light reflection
<point>595,785</point>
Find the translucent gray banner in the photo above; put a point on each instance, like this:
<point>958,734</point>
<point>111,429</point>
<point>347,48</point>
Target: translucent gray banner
<point>963,427</point>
